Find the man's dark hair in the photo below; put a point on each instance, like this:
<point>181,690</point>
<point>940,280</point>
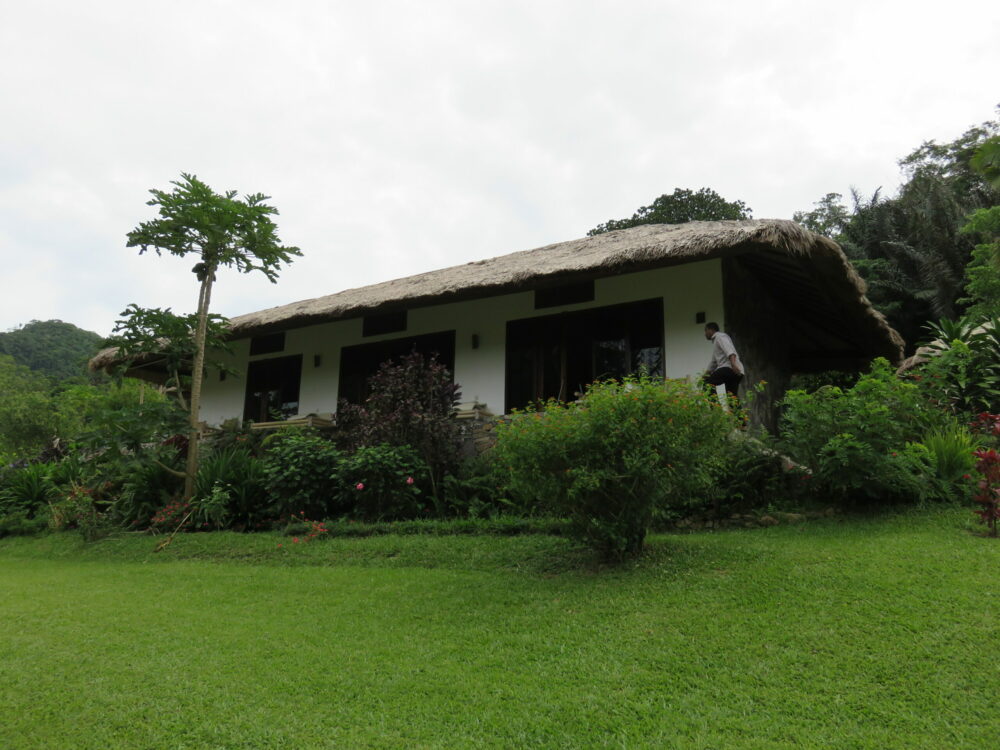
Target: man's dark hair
<point>712,326</point>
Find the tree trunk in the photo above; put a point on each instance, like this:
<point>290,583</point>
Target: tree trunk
<point>194,434</point>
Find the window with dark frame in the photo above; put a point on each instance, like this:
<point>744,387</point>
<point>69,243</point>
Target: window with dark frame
<point>359,362</point>
<point>380,323</point>
<point>557,356</point>
<point>272,391</point>
<point>566,294</point>
<point>269,344</point>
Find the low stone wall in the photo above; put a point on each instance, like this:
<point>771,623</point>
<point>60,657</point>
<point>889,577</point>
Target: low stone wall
<point>476,424</point>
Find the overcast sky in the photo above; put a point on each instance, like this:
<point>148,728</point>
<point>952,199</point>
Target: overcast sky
<point>399,137</point>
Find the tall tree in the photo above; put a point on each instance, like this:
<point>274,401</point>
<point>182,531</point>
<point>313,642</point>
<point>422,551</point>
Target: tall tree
<point>911,247</point>
<point>829,218</point>
<point>983,272</point>
<point>679,207</point>
<point>223,231</point>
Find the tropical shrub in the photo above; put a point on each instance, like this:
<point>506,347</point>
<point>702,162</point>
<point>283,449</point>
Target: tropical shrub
<point>212,509</point>
<point>18,524</point>
<point>298,466</point>
<point>861,443</point>
<point>26,491</point>
<point>145,483</point>
<point>625,453</point>
<point>963,373</point>
<point>752,477</point>
<point>230,489</point>
<point>97,412</point>
<point>474,490</point>
<point>126,427</point>
<point>410,402</point>
<point>951,450</point>
<point>383,482</point>
<point>84,507</point>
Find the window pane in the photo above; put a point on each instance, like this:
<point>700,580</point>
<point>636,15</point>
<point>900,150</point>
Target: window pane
<point>557,356</point>
<point>273,389</point>
<point>360,362</point>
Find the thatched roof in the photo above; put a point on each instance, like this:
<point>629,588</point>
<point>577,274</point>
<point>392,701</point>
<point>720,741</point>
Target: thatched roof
<point>810,268</point>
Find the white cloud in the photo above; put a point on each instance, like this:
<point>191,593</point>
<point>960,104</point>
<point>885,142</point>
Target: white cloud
<point>397,137</point>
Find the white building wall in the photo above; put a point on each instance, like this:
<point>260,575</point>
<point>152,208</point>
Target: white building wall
<point>686,290</point>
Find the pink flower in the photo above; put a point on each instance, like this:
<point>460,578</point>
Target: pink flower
<point>359,486</point>
<point>409,480</point>
<point>295,540</point>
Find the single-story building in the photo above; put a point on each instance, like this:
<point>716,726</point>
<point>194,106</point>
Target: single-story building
<point>546,322</point>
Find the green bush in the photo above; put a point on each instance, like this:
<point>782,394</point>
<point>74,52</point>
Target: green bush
<point>752,477</point>
<point>860,442</point>
<point>951,449</point>
<point>230,489</point>
<point>298,466</point>
<point>26,490</point>
<point>18,524</point>
<point>85,509</point>
<point>144,484</point>
<point>383,482</point>
<point>623,454</point>
<point>963,375</point>
<point>474,490</point>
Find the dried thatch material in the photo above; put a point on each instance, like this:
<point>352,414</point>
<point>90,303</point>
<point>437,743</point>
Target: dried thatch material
<point>816,266</point>
<point>919,357</point>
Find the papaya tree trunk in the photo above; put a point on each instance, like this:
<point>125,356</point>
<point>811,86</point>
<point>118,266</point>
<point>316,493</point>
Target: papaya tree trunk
<point>197,368</point>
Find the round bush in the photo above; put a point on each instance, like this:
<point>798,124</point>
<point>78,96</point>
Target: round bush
<point>611,462</point>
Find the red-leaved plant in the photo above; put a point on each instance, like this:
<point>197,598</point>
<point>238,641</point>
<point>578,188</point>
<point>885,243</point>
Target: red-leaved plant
<point>986,424</point>
<point>988,488</point>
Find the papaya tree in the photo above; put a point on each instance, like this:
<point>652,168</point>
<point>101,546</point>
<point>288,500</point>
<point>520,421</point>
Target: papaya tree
<point>220,230</point>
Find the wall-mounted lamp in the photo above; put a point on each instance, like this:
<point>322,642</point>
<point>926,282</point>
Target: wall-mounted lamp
<point>699,317</point>
<point>222,375</point>
<point>317,360</point>
<point>475,341</point>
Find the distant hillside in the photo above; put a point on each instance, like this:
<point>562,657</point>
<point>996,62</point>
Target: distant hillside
<point>57,349</point>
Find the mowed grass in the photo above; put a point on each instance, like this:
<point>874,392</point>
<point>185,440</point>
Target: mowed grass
<point>860,633</point>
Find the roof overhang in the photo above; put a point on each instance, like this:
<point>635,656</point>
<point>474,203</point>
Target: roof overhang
<point>807,273</point>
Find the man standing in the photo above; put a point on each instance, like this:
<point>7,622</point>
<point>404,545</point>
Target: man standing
<point>725,367</point>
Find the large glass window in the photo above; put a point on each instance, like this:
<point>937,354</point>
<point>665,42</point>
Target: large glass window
<point>360,362</point>
<point>273,389</point>
<point>557,356</point>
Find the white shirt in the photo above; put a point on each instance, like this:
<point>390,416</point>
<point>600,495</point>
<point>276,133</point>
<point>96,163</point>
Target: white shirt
<point>722,347</point>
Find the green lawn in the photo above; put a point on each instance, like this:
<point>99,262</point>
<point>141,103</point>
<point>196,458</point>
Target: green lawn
<point>875,633</point>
